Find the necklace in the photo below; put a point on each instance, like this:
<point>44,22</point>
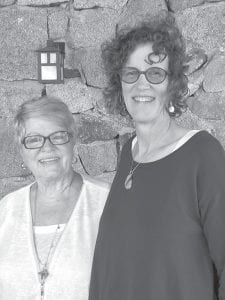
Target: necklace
<point>43,267</point>
<point>43,272</point>
<point>129,179</point>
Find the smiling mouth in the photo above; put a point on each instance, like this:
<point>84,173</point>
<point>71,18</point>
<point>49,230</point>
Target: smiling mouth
<point>48,160</point>
<point>143,99</point>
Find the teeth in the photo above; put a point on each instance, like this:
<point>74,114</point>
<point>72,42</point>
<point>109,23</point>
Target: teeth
<point>48,159</point>
<point>144,99</point>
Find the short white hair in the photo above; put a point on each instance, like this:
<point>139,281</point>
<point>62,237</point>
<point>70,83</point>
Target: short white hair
<point>47,106</point>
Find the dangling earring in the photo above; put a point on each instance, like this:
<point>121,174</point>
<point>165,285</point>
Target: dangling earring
<point>171,108</point>
<point>23,166</point>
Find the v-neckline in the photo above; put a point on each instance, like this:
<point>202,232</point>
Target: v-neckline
<point>31,232</point>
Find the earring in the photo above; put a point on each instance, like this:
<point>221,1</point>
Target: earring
<point>23,166</point>
<point>171,108</point>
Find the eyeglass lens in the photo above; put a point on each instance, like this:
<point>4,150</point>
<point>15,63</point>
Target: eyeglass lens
<point>154,75</point>
<point>37,141</point>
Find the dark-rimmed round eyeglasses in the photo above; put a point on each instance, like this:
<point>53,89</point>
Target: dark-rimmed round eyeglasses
<point>38,141</point>
<point>154,75</point>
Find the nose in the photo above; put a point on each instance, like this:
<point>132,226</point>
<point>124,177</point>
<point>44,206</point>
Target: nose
<point>142,81</point>
<point>47,145</point>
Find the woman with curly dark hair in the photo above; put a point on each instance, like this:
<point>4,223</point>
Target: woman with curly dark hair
<point>162,232</point>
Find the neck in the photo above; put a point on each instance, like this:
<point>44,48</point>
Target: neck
<point>151,135</point>
<point>55,190</point>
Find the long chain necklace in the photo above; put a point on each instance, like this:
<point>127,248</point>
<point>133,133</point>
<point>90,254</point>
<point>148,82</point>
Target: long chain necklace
<point>43,272</point>
<point>129,179</point>
<point>43,266</point>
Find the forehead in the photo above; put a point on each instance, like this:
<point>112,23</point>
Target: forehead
<point>43,125</point>
<point>139,58</point>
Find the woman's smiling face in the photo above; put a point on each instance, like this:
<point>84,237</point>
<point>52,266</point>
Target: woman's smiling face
<point>145,101</point>
<point>49,161</point>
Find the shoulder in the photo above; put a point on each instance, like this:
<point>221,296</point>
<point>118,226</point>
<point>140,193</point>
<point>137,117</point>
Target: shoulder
<point>209,154</point>
<point>95,193</point>
<point>13,200</point>
<point>207,145</point>
<point>96,184</point>
<point>16,194</point>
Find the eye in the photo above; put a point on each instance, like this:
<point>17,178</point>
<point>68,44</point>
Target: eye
<point>129,72</point>
<point>61,136</point>
<point>129,75</point>
<point>156,75</point>
<point>33,139</point>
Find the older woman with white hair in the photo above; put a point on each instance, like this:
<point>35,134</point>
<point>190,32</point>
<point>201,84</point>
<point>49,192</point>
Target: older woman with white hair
<point>48,229</point>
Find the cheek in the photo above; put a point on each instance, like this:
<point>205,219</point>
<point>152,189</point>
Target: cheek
<point>162,91</point>
<point>68,155</point>
<point>126,91</point>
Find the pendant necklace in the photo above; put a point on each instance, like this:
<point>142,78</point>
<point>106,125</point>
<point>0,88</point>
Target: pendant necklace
<point>43,267</point>
<point>129,179</point>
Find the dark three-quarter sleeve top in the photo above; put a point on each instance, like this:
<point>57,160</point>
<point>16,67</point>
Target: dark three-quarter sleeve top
<point>164,239</point>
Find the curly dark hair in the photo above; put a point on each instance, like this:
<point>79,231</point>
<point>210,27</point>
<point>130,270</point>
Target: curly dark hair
<point>163,32</point>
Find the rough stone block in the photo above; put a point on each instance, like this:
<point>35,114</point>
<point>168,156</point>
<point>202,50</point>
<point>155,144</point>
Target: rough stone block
<point>10,159</point>
<point>41,2</point>
<point>89,28</point>
<point>92,67</point>
<point>23,31</point>
<point>84,4</point>
<point>195,81</point>
<point>98,157</point>
<point>95,126</point>
<point>75,94</point>
<point>136,10</point>
<point>192,121</point>
<point>214,74</point>
<point>57,23</point>
<point>12,94</point>
<point>196,59</point>
<point>208,105</point>
<point>6,2</point>
<point>204,26</point>
<point>176,5</point>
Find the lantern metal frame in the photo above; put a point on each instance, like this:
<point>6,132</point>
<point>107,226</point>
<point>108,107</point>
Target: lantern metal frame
<point>54,51</point>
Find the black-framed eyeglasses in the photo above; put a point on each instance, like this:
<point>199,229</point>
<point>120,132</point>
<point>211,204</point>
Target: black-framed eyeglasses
<point>154,75</point>
<point>38,141</point>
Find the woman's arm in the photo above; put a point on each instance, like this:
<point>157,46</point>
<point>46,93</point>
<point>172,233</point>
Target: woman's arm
<point>211,197</point>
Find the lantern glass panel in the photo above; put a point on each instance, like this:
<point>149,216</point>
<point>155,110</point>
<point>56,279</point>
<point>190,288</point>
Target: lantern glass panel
<point>52,58</point>
<point>44,59</point>
<point>48,73</point>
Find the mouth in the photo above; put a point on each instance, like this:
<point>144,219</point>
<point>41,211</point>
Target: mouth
<point>142,99</point>
<point>48,160</point>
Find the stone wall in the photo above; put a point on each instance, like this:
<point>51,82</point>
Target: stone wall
<point>25,26</point>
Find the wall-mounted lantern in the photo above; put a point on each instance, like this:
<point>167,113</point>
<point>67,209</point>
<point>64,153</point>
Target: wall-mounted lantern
<point>51,63</point>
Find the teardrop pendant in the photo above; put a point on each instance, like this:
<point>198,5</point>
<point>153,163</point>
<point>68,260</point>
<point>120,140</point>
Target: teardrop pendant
<point>128,181</point>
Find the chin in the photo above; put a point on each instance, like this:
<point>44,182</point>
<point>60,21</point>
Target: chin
<point>48,174</point>
<point>145,118</point>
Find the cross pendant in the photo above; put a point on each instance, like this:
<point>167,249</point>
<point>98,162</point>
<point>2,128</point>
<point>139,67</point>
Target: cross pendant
<point>43,274</point>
